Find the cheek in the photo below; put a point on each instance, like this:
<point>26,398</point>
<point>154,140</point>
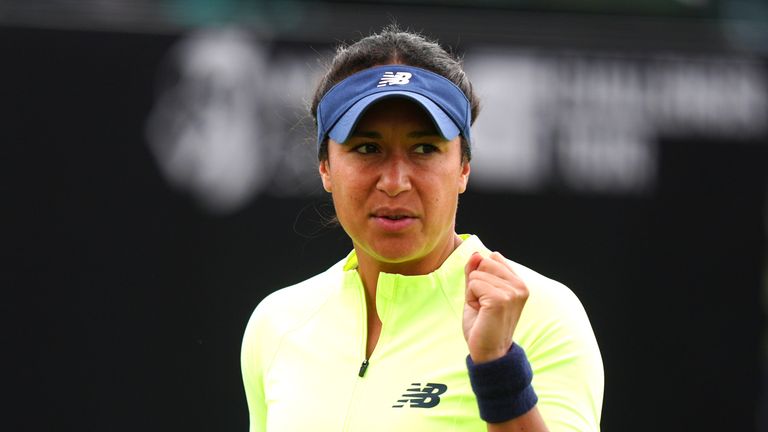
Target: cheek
<point>348,194</point>
<point>442,197</point>
<point>447,204</point>
<point>341,209</point>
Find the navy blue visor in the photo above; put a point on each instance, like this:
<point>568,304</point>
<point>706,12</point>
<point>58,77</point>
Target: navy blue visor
<point>344,104</point>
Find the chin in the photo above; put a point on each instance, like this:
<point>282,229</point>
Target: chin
<point>395,251</point>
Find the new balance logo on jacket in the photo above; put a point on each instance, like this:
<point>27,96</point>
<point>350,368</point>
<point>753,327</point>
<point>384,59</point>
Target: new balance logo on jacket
<point>395,78</point>
<point>421,397</point>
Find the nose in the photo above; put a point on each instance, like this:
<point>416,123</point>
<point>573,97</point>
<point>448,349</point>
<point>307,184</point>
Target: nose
<point>395,177</point>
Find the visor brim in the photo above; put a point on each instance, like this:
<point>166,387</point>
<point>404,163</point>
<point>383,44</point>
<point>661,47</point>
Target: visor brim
<point>341,131</point>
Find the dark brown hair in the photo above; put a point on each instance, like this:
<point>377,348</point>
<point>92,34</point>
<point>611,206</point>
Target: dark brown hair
<point>394,46</point>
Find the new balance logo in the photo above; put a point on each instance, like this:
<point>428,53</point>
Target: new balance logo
<point>422,397</point>
<point>395,78</point>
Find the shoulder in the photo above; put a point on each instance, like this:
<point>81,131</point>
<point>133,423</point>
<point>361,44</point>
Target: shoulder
<point>285,310</point>
<point>547,298</point>
<point>553,318</point>
<point>287,307</point>
<point>555,332</point>
<point>544,290</point>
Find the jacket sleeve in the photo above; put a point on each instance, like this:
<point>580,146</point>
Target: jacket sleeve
<point>564,355</point>
<point>251,366</point>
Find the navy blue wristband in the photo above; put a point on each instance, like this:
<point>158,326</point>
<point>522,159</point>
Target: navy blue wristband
<point>503,386</point>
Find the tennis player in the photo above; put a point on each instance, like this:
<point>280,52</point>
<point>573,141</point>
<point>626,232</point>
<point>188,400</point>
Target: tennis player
<point>418,328</point>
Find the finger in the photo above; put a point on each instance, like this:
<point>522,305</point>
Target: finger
<point>496,291</point>
<point>493,280</point>
<point>498,267</point>
<point>469,295</point>
<point>472,264</point>
<point>498,257</point>
<point>476,290</point>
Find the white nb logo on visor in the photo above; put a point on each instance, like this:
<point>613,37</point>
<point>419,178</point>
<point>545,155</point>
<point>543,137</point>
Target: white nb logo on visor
<point>394,78</point>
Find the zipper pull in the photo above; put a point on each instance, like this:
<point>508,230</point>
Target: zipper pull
<point>363,367</point>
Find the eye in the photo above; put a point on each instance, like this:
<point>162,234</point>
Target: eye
<point>366,148</point>
<point>425,148</point>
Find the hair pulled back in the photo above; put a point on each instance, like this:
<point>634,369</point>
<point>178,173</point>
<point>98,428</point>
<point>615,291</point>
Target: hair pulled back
<point>394,46</point>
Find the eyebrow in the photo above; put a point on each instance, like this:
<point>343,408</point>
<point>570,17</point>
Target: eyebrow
<point>376,135</point>
<point>366,134</point>
<point>422,134</point>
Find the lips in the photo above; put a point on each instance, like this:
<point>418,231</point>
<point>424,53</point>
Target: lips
<point>393,219</point>
<point>393,213</point>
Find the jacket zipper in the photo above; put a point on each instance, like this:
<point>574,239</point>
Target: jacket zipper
<point>364,365</point>
<point>363,368</point>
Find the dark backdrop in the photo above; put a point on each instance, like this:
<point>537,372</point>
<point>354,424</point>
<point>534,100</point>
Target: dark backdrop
<point>123,304</point>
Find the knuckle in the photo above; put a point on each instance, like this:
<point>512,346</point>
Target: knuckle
<point>509,296</point>
<point>474,284</point>
<point>515,294</point>
<point>483,266</point>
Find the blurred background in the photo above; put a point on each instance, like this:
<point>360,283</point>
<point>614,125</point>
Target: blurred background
<point>159,179</point>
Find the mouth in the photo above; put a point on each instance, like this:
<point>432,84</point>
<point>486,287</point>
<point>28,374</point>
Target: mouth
<point>394,217</point>
<point>393,213</point>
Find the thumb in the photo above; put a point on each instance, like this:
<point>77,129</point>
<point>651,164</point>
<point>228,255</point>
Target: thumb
<point>472,264</point>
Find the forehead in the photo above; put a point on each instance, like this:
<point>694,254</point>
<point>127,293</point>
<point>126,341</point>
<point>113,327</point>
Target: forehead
<point>397,111</point>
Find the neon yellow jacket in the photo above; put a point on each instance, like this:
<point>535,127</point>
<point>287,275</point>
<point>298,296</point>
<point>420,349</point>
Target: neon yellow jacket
<point>304,347</point>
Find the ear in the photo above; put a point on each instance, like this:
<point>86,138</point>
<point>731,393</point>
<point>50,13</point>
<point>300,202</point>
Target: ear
<point>464,176</point>
<point>325,175</point>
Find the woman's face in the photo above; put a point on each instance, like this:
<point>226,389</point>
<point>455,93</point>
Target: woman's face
<point>395,184</point>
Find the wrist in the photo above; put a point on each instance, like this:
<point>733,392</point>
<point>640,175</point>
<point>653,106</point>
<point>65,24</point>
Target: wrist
<point>488,356</point>
<point>503,386</point>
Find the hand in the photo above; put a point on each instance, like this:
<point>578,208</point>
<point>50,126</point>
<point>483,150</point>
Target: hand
<point>494,300</point>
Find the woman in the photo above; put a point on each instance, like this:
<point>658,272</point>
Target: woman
<point>418,328</point>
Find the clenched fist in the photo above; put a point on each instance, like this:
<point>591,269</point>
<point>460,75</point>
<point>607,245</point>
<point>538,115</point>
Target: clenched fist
<point>494,300</point>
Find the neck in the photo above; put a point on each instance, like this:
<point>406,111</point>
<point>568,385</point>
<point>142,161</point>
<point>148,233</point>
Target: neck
<point>369,267</point>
